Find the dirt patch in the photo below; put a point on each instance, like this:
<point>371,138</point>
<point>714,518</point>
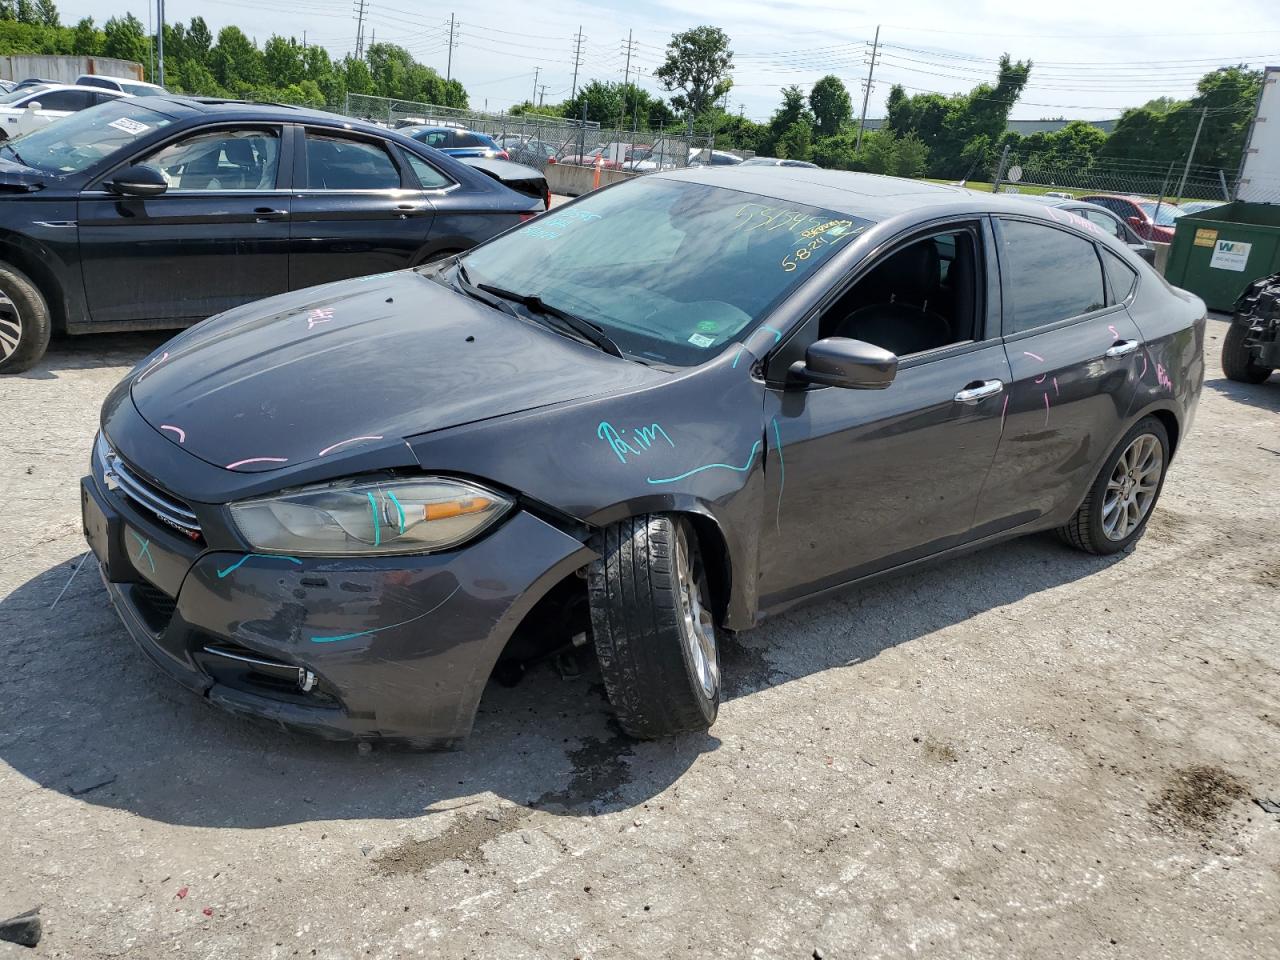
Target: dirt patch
<point>1168,525</point>
<point>941,752</point>
<point>461,840</point>
<point>600,771</point>
<point>1197,797</point>
<point>1268,576</point>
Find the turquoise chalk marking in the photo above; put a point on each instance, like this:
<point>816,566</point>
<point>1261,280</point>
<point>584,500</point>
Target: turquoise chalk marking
<point>144,549</point>
<point>398,507</point>
<point>738,356</point>
<point>264,556</point>
<point>391,626</point>
<point>377,525</point>
<point>782,472</point>
<point>777,334</point>
<point>645,438</point>
<point>711,466</point>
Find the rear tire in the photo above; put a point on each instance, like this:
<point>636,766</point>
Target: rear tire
<point>1122,498</point>
<point>1237,359</point>
<point>654,632</point>
<point>24,321</point>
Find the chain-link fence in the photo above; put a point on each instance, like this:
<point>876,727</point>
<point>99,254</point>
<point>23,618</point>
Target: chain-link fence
<point>537,140</point>
<point>1173,182</point>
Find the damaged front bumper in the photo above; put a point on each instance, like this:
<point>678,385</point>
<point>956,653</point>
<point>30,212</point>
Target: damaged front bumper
<point>386,647</point>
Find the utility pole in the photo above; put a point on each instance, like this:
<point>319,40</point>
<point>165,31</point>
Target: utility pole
<point>542,92</point>
<point>160,43</point>
<point>1181,183</point>
<point>866,88</point>
<point>536,71</point>
<point>448,70</point>
<point>361,7</point>
<point>628,45</point>
<point>577,61</point>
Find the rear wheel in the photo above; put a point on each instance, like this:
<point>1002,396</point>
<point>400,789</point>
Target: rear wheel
<point>1237,357</point>
<point>24,321</point>
<point>1119,504</point>
<point>654,632</point>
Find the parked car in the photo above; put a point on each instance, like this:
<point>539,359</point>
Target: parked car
<point>457,142</point>
<point>713,158</point>
<point>777,162</point>
<point>137,88</point>
<point>1151,219</point>
<point>1101,218</point>
<point>799,380</point>
<point>529,150</point>
<point>1059,194</point>
<point>36,106</point>
<point>600,155</point>
<point>1200,206</point>
<point>1251,348</point>
<point>7,86</point>
<point>152,212</point>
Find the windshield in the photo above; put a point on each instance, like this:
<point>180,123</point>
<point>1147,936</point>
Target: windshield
<point>1168,213</point>
<point>671,270</point>
<point>78,141</point>
<point>16,95</point>
<point>142,90</point>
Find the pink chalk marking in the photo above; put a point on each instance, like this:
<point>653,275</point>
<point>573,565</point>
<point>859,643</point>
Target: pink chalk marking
<point>1040,379</point>
<point>1003,410</point>
<point>1046,408</point>
<point>155,363</point>
<point>1033,356</point>
<point>182,434</point>
<point>1055,386</point>
<point>241,463</point>
<point>343,443</point>
<point>1114,332</point>
<point>319,315</point>
<point>1144,365</point>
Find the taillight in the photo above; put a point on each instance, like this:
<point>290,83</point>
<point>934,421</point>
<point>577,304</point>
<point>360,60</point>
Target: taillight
<point>546,199</point>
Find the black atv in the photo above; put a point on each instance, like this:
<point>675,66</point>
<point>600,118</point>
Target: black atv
<point>1251,349</point>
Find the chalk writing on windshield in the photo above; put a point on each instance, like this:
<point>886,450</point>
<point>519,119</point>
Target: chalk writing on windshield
<point>758,216</point>
<point>642,438</point>
<point>824,235</point>
<point>553,228</point>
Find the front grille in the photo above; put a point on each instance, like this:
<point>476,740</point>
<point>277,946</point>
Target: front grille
<point>154,606</point>
<point>165,507</point>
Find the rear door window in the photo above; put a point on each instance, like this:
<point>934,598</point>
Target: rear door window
<point>1049,275</point>
<point>1122,277</point>
<point>342,163</point>
<point>69,100</point>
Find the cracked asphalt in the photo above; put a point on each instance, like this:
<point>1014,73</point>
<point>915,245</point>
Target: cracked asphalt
<point>1026,752</point>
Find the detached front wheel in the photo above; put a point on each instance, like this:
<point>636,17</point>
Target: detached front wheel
<point>654,631</point>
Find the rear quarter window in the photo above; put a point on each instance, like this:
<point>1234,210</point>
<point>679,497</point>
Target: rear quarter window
<point>1122,277</point>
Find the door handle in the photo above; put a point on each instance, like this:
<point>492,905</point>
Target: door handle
<point>407,210</point>
<point>979,390</point>
<point>1121,348</point>
<point>264,214</point>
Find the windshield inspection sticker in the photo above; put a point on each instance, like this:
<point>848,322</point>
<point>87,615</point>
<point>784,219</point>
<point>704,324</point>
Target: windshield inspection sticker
<point>131,127</point>
<point>700,340</point>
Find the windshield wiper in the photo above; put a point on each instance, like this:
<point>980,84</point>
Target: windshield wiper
<point>591,332</point>
<point>475,293</point>
<point>17,156</point>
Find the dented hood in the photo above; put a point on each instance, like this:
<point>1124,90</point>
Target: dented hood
<point>340,368</point>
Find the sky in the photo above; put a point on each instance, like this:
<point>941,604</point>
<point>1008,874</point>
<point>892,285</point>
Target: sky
<point>1092,58</point>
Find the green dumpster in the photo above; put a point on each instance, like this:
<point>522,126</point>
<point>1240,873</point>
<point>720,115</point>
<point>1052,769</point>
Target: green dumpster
<point>1219,252</point>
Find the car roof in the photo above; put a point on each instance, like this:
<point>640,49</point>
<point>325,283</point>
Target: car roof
<point>221,108</point>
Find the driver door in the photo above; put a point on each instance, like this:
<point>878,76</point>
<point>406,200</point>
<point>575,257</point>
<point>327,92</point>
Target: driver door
<point>217,238</point>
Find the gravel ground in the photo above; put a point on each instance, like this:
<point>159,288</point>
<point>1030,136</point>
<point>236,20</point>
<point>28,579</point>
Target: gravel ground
<point>1027,752</point>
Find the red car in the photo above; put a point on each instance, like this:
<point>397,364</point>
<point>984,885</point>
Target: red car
<point>1142,214</point>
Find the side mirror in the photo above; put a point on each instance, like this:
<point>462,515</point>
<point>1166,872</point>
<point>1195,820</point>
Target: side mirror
<point>140,180</point>
<point>34,105</point>
<point>842,362</point>
<point>1136,222</point>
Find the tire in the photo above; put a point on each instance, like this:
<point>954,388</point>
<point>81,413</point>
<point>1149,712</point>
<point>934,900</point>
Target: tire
<point>651,621</point>
<point>1093,529</point>
<point>1237,360</point>
<point>24,321</point>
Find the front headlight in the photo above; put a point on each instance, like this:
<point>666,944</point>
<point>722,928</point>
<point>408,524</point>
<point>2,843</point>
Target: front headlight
<point>370,517</point>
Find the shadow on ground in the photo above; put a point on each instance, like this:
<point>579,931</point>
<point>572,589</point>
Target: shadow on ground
<point>1265,395</point>
<point>82,712</point>
<point>95,350</point>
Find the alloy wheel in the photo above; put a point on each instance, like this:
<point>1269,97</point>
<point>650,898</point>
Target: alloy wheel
<point>1131,490</point>
<point>696,624</point>
<point>10,327</point>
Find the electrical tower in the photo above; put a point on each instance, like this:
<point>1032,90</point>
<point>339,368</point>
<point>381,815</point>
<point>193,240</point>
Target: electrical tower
<point>361,9</point>
<point>866,87</point>
<point>577,61</point>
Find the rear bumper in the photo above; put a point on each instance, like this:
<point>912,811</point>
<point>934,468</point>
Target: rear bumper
<point>389,647</point>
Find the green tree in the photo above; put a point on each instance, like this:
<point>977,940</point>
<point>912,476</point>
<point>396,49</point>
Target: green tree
<point>831,105</point>
<point>25,12</point>
<point>47,14</point>
<point>87,39</point>
<point>199,41</point>
<point>697,64</point>
<point>878,150</point>
<point>910,157</point>
<point>837,152</point>
<point>234,61</point>
<point>125,39</point>
<point>796,142</point>
<point>283,61</point>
